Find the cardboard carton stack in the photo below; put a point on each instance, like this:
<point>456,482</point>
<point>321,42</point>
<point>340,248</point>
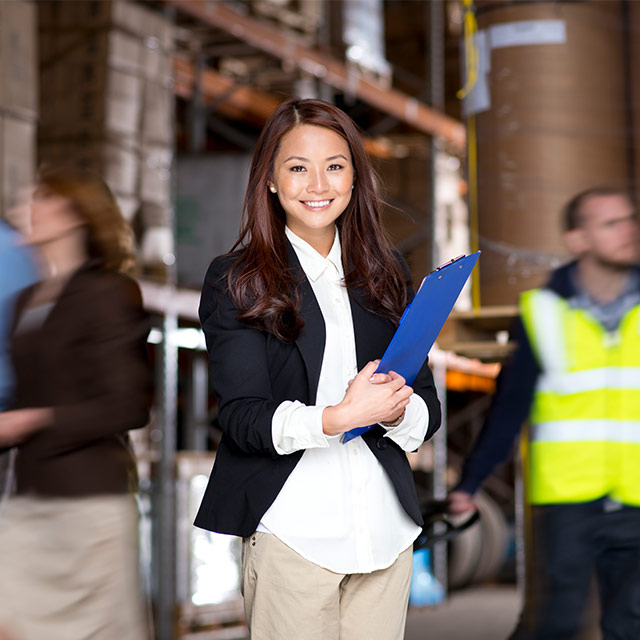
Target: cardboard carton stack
<point>107,104</point>
<point>18,101</point>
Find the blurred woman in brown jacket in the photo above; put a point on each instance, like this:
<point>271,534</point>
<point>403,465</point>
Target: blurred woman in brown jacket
<point>68,541</point>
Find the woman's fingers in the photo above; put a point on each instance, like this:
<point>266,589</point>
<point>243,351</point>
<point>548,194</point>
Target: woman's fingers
<point>406,390</point>
<point>392,376</point>
<point>369,369</point>
<point>371,396</point>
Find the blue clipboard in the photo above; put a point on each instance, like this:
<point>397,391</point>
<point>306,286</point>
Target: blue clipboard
<point>421,323</point>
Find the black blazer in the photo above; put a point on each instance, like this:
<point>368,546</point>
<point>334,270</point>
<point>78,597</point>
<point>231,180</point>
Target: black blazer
<point>252,372</point>
<point>88,361</point>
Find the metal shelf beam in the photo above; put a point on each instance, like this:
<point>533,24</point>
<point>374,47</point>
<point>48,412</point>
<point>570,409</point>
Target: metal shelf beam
<point>326,68</point>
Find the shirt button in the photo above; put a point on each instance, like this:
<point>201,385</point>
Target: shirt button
<point>337,300</point>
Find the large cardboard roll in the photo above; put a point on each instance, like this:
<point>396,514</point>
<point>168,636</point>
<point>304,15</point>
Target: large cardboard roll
<point>556,125</point>
<point>634,91</point>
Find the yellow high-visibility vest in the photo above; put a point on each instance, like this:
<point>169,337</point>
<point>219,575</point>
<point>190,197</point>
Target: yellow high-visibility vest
<point>585,417</point>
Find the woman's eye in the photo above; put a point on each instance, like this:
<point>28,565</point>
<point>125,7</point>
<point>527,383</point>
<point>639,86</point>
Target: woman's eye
<point>298,168</point>
<point>335,167</point>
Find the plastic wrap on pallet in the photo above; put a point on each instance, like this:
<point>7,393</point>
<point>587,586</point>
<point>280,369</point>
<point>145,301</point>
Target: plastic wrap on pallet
<point>112,158</point>
<point>18,101</point>
<point>17,161</point>
<point>107,98</point>
<point>18,71</point>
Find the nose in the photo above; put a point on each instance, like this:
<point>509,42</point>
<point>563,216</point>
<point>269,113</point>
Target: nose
<point>318,181</point>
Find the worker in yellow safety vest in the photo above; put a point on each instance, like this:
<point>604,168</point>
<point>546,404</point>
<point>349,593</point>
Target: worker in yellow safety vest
<point>575,375</point>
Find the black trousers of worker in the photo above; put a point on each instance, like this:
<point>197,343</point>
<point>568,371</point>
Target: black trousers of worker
<point>574,542</point>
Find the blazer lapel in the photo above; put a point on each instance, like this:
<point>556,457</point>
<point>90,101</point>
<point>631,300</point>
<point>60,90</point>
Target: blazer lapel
<point>312,338</point>
<point>372,332</point>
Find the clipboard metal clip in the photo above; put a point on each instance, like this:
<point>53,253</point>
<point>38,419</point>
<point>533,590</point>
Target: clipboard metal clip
<point>448,262</point>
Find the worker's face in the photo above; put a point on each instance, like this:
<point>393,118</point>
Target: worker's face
<point>313,177</point>
<point>608,233</point>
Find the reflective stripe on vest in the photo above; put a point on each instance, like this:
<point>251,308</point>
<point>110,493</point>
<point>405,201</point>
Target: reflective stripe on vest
<point>585,416</point>
<point>589,380</point>
<point>586,431</point>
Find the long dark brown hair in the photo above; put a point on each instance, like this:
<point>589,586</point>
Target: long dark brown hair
<point>260,281</point>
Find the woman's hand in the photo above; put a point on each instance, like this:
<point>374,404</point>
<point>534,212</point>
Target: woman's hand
<point>380,378</point>
<point>370,398</point>
<point>16,426</point>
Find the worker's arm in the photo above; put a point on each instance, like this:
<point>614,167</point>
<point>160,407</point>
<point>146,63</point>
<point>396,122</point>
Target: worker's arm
<point>509,409</point>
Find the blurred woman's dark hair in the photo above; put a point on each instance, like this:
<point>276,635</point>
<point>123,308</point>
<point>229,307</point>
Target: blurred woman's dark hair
<point>109,237</point>
<point>260,282</point>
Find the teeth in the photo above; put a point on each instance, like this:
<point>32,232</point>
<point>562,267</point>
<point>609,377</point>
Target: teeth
<point>318,204</point>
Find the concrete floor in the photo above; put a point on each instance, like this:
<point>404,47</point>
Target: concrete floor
<point>477,613</point>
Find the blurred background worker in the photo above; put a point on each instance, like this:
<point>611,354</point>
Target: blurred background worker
<point>68,538</point>
<point>17,271</point>
<point>576,376</point>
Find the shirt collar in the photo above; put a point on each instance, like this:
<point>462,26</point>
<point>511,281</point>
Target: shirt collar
<point>582,297</point>
<point>312,263</point>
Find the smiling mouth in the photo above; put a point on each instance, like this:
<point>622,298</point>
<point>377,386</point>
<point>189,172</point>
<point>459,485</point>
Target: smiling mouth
<point>316,204</point>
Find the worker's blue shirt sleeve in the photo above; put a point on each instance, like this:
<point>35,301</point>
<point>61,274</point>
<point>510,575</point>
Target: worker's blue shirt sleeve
<point>509,410</point>
<point>17,271</point>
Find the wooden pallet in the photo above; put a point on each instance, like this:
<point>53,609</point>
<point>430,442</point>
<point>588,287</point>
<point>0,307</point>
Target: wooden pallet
<point>482,333</point>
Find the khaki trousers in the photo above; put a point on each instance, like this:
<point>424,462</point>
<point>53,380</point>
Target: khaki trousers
<point>289,598</point>
<point>69,569</point>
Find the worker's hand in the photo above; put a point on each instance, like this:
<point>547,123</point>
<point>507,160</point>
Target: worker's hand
<point>4,635</point>
<point>461,502</point>
<point>16,426</point>
<point>370,398</point>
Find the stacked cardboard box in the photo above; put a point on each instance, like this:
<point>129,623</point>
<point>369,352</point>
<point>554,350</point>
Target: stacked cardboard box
<point>18,100</point>
<point>107,104</point>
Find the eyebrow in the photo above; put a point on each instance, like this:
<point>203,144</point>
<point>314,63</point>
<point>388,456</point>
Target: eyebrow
<point>338,155</point>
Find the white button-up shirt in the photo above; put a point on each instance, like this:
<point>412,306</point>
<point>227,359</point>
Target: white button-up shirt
<point>338,507</point>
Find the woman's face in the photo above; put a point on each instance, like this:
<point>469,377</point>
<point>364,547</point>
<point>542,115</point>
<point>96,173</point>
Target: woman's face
<point>313,177</point>
<point>52,217</point>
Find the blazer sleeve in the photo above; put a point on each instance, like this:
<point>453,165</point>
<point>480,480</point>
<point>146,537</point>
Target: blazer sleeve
<point>424,385</point>
<point>238,367</point>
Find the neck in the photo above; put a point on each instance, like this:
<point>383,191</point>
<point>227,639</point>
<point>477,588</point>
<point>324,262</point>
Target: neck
<point>64,255</point>
<point>603,282</point>
<point>320,239</point>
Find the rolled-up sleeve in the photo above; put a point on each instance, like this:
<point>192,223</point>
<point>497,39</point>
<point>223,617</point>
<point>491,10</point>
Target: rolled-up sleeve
<point>296,426</point>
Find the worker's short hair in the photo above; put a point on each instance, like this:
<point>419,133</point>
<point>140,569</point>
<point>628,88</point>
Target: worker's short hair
<point>572,212</point>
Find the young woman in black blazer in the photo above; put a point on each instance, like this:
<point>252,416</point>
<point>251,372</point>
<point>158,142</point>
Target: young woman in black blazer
<point>295,318</point>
